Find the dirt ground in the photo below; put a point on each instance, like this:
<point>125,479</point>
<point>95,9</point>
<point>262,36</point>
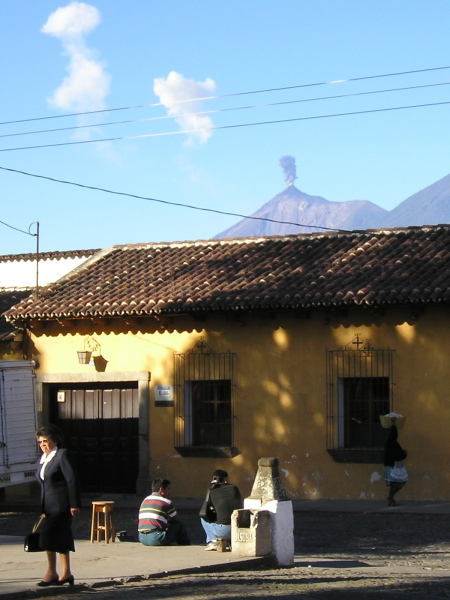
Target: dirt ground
<point>338,556</point>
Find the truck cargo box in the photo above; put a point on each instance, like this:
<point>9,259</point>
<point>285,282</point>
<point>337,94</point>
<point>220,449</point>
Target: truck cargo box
<point>18,448</point>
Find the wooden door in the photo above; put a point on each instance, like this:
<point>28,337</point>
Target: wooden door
<point>100,426</point>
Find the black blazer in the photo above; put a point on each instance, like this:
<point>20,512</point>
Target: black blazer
<point>60,490</point>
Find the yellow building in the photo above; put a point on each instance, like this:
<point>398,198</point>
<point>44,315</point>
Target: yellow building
<point>205,355</point>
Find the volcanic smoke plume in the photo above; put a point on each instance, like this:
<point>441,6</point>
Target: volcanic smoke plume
<point>287,163</point>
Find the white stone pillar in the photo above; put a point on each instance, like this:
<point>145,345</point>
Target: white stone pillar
<point>268,494</point>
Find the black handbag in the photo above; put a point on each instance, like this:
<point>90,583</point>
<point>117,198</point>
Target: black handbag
<point>31,543</point>
<point>207,512</point>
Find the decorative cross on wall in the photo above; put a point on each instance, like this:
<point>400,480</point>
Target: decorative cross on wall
<point>358,341</point>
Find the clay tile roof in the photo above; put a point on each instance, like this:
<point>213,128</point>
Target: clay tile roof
<point>57,255</point>
<point>373,268</point>
<point>8,299</point>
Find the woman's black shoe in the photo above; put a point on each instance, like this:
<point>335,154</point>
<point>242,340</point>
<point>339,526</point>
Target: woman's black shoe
<point>54,581</point>
<point>70,580</point>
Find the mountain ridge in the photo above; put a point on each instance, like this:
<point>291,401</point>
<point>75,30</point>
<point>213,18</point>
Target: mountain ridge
<point>430,206</point>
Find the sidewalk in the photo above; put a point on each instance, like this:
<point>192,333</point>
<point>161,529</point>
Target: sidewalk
<point>372,506</point>
<point>358,506</point>
<point>99,564</point>
<point>338,506</point>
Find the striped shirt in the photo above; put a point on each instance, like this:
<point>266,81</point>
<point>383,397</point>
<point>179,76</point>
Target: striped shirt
<point>155,512</point>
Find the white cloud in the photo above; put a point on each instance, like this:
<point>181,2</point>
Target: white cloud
<point>86,86</point>
<point>75,19</point>
<point>87,83</point>
<point>174,90</point>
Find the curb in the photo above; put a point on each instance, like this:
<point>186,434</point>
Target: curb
<point>51,591</point>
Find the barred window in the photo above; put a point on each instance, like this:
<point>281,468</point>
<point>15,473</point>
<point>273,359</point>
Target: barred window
<point>361,402</point>
<point>359,390</point>
<point>204,402</point>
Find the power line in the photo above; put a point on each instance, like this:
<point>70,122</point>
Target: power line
<point>222,110</point>
<point>179,204</point>
<point>263,91</point>
<point>20,230</point>
<point>218,127</point>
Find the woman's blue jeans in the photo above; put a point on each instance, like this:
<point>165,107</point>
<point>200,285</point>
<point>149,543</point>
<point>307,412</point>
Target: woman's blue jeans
<point>215,530</point>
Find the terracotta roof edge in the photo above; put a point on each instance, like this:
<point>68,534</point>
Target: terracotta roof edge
<point>16,288</point>
<point>51,255</point>
<point>215,242</point>
<point>87,263</point>
<point>265,238</point>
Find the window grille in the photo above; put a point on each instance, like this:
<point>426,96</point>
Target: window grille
<point>359,390</point>
<point>204,398</point>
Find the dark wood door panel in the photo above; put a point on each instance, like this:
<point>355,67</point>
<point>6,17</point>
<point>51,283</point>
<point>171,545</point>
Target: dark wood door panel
<point>101,429</point>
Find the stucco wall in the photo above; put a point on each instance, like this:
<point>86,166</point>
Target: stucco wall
<point>280,395</point>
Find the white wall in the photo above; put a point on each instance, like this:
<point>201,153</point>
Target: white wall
<point>19,274</point>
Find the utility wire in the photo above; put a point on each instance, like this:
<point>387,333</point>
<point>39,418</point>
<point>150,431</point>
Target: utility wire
<point>17,229</point>
<point>222,110</point>
<point>263,91</point>
<point>146,198</point>
<point>216,128</point>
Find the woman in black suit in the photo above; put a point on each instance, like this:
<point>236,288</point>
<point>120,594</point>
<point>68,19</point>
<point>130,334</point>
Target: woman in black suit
<point>60,501</point>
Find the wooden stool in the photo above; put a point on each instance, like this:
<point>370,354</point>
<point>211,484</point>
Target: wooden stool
<point>105,508</point>
<point>223,544</point>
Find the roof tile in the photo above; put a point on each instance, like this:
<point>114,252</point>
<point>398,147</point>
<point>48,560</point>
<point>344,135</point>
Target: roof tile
<point>389,266</point>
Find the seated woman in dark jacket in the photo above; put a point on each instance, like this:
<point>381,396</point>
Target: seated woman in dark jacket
<point>224,498</point>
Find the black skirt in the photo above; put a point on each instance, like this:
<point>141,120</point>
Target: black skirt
<point>56,533</point>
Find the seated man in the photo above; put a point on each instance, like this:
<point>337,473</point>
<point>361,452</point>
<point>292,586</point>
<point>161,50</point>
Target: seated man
<point>159,524</point>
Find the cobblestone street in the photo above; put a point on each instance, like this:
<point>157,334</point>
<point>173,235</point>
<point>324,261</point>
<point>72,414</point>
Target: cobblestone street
<point>387,555</point>
<point>321,582</point>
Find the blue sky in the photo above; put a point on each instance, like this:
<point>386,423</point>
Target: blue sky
<point>60,58</point>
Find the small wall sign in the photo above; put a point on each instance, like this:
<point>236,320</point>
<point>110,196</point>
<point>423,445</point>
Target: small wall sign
<point>164,395</point>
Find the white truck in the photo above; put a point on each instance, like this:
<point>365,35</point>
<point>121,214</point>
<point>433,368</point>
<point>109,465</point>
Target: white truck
<point>18,423</point>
